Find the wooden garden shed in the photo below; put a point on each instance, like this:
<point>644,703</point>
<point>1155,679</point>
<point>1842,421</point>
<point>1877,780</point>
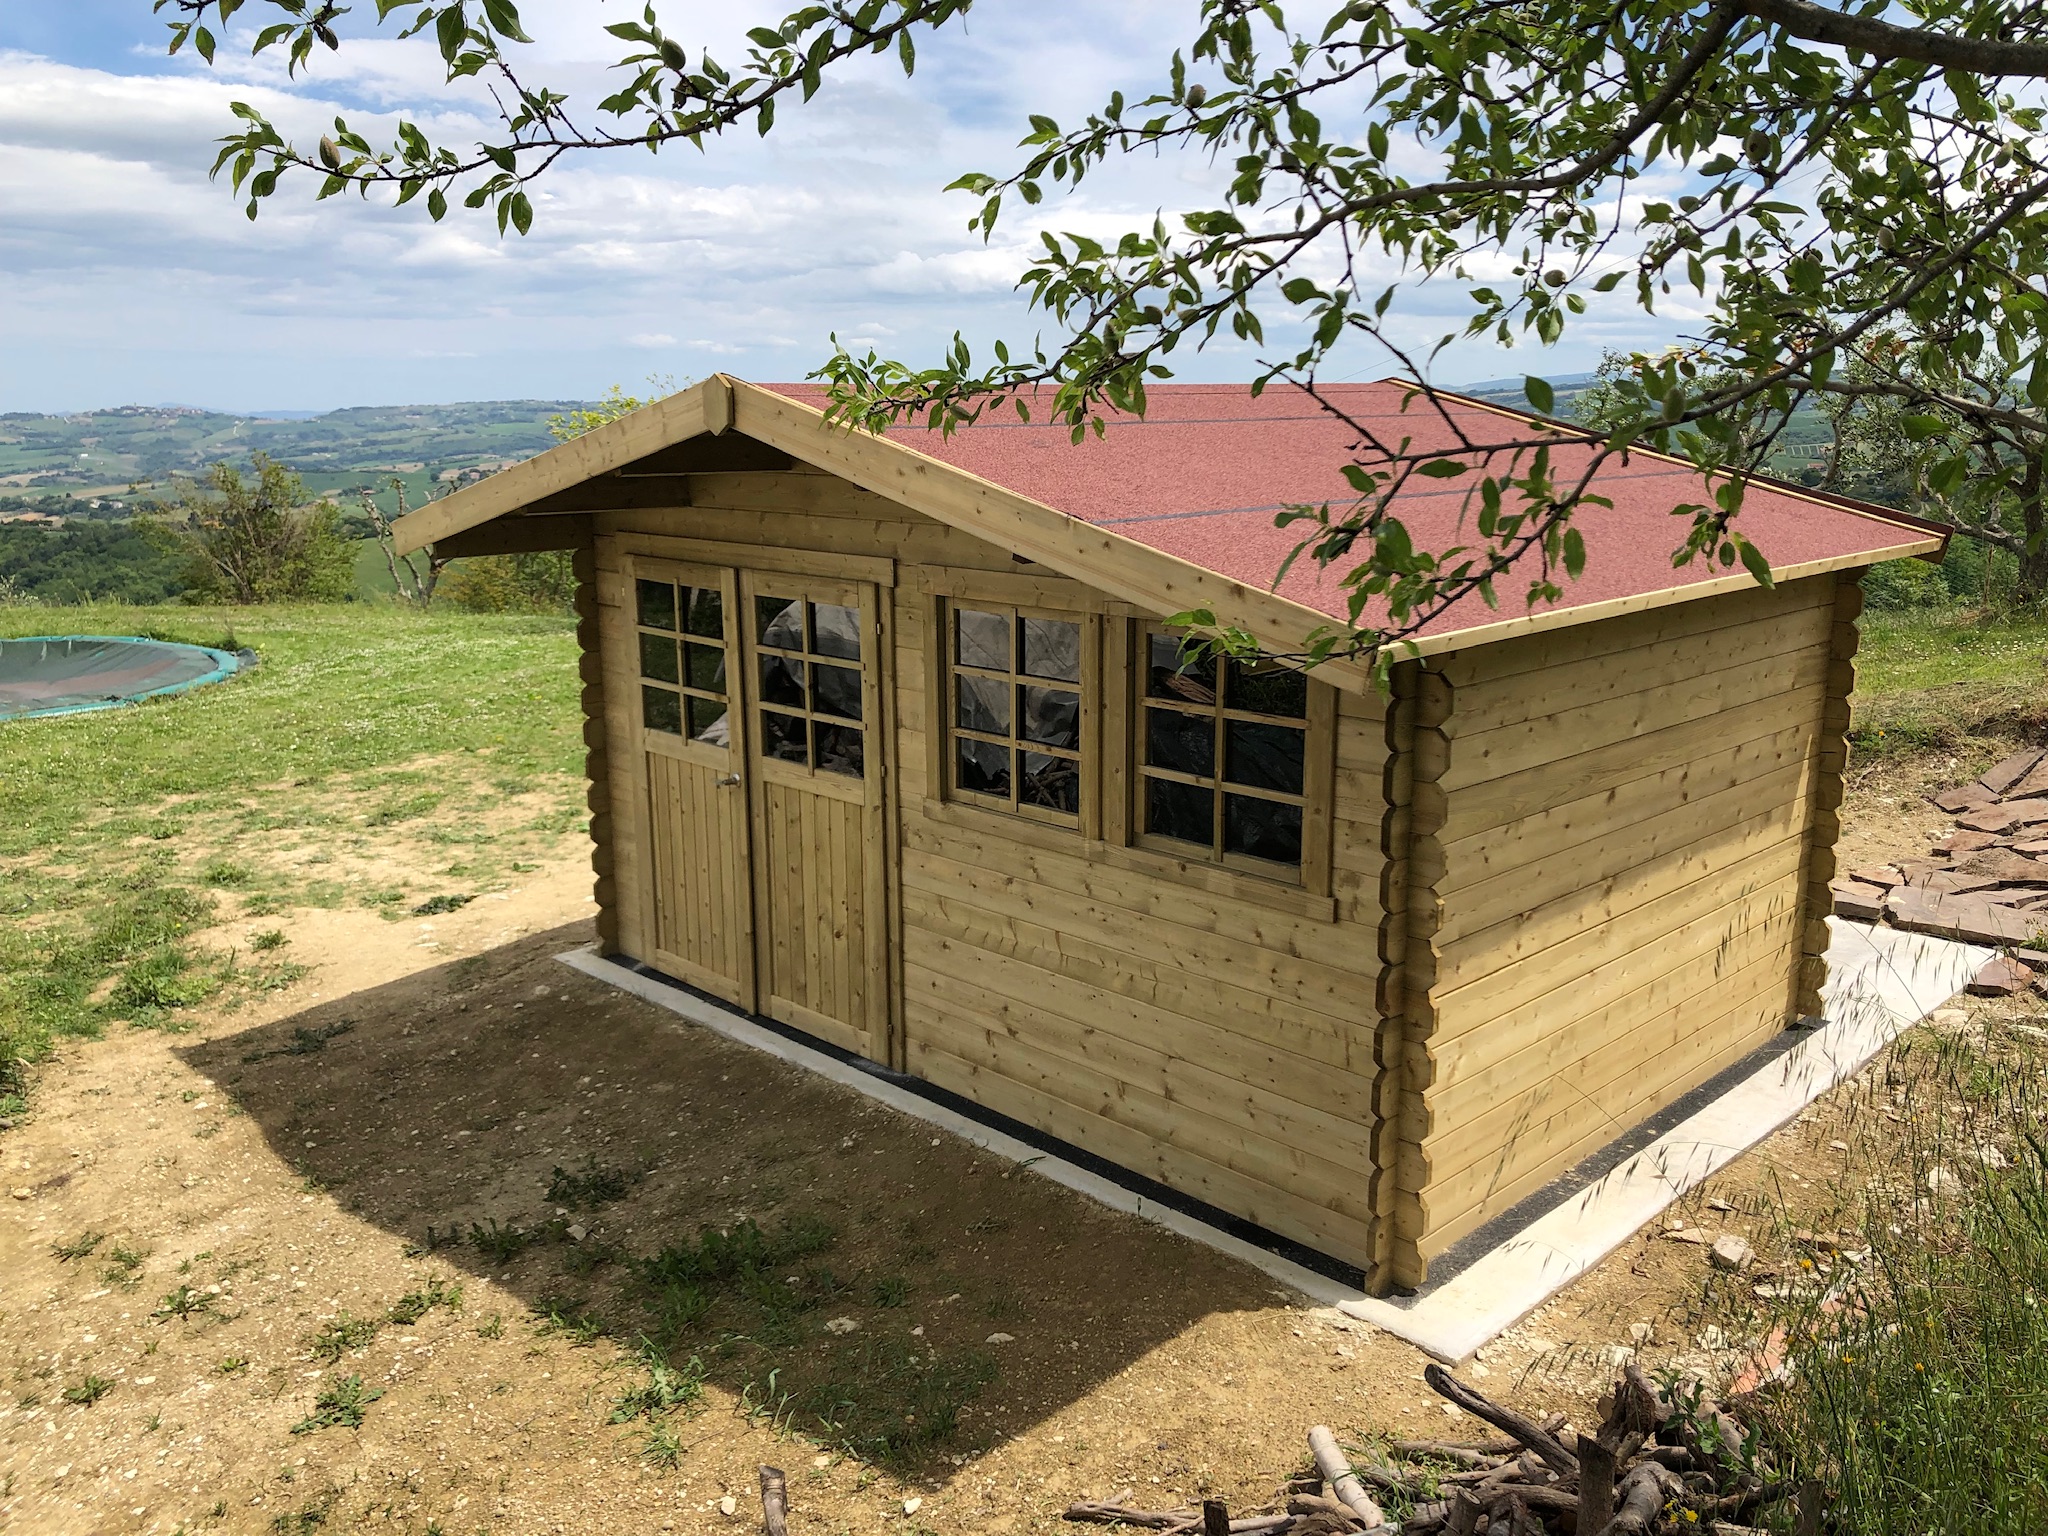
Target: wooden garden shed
<point>887,744</point>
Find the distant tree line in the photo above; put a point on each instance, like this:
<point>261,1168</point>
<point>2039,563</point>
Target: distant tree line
<point>84,562</point>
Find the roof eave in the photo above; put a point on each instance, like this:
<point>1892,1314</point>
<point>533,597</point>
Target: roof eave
<point>702,408</point>
<point>1643,602</point>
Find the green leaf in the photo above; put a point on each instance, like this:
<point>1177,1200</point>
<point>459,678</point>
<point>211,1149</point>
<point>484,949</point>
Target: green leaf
<point>1754,562</point>
<point>1574,553</point>
<point>1921,428</point>
<point>437,204</point>
<point>203,41</point>
<point>504,19</point>
<point>1443,469</point>
<point>522,212</point>
<point>1540,394</point>
<point>451,30</point>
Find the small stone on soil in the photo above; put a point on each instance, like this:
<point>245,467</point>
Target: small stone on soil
<point>1730,1252</point>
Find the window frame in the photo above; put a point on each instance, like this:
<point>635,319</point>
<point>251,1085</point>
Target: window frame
<point>947,732</point>
<point>684,576</point>
<point>1317,724</point>
<point>810,593</point>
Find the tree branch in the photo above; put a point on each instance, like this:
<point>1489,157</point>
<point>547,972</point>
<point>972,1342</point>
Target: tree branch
<point>1886,40</point>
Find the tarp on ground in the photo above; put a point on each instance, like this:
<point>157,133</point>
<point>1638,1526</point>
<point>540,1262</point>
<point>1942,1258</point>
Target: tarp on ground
<point>62,674</point>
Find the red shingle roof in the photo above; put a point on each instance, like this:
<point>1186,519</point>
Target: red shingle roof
<point>1202,475</point>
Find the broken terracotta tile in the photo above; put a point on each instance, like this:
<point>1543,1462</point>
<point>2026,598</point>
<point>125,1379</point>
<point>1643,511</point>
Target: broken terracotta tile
<point>2003,861</point>
<point>1969,797</point>
<point>1884,876</point>
<point>2037,958</point>
<point>2005,817</point>
<point>2000,777</point>
<point>1961,844</point>
<point>1863,903</point>
<point>1998,977</point>
<point>1969,918</point>
<point>2035,783</point>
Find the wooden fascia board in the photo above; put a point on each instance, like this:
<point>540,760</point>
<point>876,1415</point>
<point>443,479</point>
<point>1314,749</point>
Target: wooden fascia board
<point>1643,602</point>
<point>702,408</point>
<point>517,536</point>
<point>1109,562</point>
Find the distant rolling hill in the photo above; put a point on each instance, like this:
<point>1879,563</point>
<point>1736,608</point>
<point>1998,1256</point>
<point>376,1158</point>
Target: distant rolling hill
<point>100,455</point>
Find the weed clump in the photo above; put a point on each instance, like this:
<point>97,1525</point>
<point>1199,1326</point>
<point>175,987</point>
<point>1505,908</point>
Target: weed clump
<point>744,1270</point>
<point>588,1188</point>
<point>185,1304</point>
<point>124,1265</point>
<point>665,1389</point>
<point>501,1244</point>
<point>341,1335</point>
<point>79,1247</point>
<point>343,1403</point>
<point>416,1304</point>
<point>89,1391</point>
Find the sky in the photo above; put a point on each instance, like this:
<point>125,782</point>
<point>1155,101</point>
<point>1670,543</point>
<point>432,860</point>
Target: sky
<point>128,277</point>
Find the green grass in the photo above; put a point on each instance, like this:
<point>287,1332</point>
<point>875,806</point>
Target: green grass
<point>1939,678</point>
<point>124,832</point>
<point>749,1305</point>
<point>1919,1401</point>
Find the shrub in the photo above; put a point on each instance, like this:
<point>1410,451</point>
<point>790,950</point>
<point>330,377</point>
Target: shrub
<point>260,543</point>
<point>540,581</point>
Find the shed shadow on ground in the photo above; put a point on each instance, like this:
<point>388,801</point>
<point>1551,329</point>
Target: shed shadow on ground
<point>483,1108</point>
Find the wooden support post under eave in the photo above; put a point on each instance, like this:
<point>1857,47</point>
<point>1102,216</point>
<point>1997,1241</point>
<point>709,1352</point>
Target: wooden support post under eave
<point>1418,754</point>
<point>596,762</point>
<point>1823,820</point>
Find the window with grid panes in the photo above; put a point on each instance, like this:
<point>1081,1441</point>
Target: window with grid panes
<point>682,661</point>
<point>1015,710</point>
<point>1223,752</point>
<point>810,659</point>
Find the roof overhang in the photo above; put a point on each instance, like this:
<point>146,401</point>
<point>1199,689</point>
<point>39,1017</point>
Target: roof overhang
<point>597,472</point>
<point>1104,559</point>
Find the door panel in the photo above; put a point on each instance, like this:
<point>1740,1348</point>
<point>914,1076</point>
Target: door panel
<point>691,743</point>
<point>702,900</point>
<point>813,680</point>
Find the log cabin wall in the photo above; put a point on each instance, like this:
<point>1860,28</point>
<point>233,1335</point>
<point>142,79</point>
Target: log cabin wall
<point>1203,1027</point>
<point>1629,809</point>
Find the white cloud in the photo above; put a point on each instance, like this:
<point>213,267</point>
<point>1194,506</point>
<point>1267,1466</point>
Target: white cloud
<point>126,274</point>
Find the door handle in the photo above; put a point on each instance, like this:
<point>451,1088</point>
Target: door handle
<point>728,780</point>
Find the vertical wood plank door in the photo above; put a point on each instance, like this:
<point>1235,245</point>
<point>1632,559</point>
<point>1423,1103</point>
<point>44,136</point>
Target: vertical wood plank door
<point>693,813</point>
<point>814,681</point>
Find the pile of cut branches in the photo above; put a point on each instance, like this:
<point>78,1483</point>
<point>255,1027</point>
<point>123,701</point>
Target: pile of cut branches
<point>1661,1461</point>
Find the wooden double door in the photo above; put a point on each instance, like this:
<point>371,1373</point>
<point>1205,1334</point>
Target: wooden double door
<point>758,736</point>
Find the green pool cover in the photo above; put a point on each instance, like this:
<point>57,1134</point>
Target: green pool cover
<point>63,674</point>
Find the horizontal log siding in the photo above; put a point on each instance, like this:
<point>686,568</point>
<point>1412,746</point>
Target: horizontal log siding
<point>1220,1045</point>
<point>1625,845</point>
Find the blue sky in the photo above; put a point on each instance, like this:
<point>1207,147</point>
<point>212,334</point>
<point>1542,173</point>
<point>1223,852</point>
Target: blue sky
<point>126,276</point>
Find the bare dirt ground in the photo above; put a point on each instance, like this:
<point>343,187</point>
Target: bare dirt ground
<point>367,1253</point>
